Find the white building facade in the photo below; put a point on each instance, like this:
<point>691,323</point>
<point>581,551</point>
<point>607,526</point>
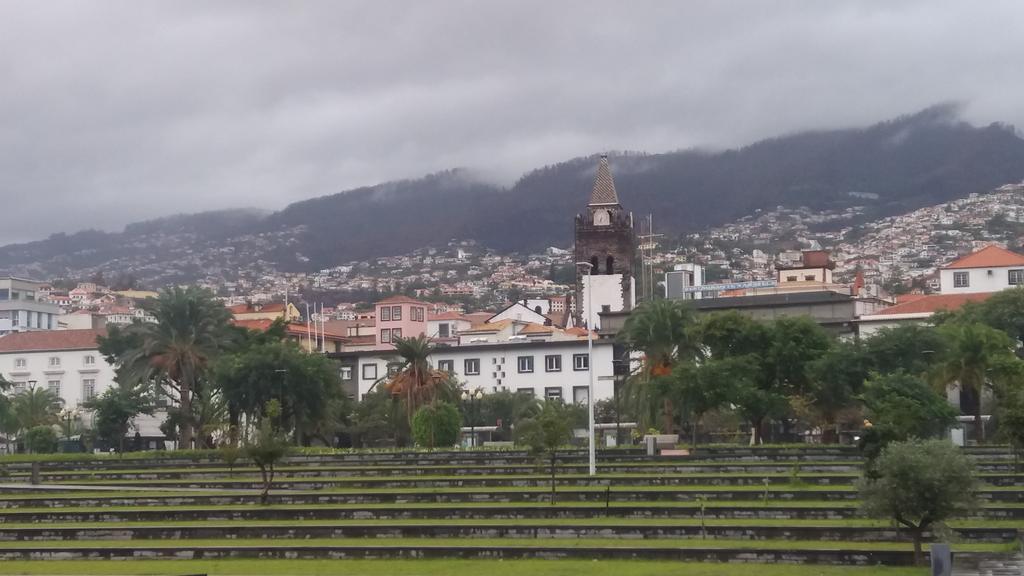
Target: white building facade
<point>546,370</point>
<point>67,362</point>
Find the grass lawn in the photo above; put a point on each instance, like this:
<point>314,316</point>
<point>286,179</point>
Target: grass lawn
<point>501,542</point>
<point>435,568</point>
<point>594,521</point>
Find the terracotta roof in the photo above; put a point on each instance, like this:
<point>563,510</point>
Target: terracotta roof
<point>400,300</point>
<point>251,309</point>
<point>904,298</point>
<point>488,327</point>
<point>536,329</point>
<point>604,186</point>
<point>934,302</point>
<point>988,257</point>
<point>46,340</point>
<point>445,316</point>
<point>292,328</point>
<point>478,317</point>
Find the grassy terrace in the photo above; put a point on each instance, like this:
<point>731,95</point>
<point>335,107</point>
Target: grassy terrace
<point>595,521</point>
<point>435,568</point>
<point>499,542</point>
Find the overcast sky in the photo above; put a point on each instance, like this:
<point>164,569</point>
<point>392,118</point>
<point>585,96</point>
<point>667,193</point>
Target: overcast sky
<point>115,111</point>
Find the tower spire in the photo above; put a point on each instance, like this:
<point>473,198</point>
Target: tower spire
<point>604,193</point>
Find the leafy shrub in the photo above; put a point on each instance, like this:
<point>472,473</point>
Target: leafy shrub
<point>436,425</point>
<point>41,440</point>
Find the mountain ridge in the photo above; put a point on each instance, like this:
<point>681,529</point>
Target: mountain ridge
<point>890,167</point>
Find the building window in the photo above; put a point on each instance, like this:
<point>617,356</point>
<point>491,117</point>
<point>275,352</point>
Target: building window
<point>446,366</point>
<point>54,361</point>
<point>526,392</point>
<point>20,386</point>
<point>553,393</point>
<point>396,313</point>
<point>580,362</point>
<point>89,360</point>
<point>809,277</point>
<point>20,363</point>
<point>1015,277</point>
<point>553,363</point>
<point>396,333</point>
<point>385,336</point>
<point>443,331</point>
<point>961,280</point>
<point>471,366</point>
<point>369,371</point>
<point>580,395</point>
<point>417,314</point>
<point>609,265</point>
<point>346,372</point>
<point>525,364</point>
<point>88,389</point>
<point>791,278</point>
<point>54,387</point>
<point>394,368</point>
<point>385,313</point>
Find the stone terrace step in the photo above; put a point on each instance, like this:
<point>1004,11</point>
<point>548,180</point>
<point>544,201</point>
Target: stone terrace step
<point>489,530</point>
<point>352,550</point>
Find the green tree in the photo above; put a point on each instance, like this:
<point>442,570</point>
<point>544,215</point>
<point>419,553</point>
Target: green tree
<point>417,383</point>
<point>920,484</point>
<point>665,332</point>
<point>977,357</point>
<point>436,425</point>
<point>911,348</point>
<point>1004,311</point>
<point>303,384</point>
<point>700,388</point>
<point>1010,415</point>
<point>796,343</point>
<point>41,440</point>
<point>905,407</point>
<point>836,380</point>
<point>177,351</point>
<point>36,407</point>
<point>746,342</point>
<point>114,411</point>
<point>504,409</point>
<point>267,448</point>
<point>545,433</point>
<point>378,420</point>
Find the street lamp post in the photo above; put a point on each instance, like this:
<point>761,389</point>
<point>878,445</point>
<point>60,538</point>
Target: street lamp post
<point>469,397</point>
<point>590,368</point>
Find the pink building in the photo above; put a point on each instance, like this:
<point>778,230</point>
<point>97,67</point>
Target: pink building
<point>400,317</point>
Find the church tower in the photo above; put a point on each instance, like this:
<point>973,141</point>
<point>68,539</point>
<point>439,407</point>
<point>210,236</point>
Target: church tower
<point>605,239</point>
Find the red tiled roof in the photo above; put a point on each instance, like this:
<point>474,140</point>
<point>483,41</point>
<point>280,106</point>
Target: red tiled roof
<point>400,300</point>
<point>991,256</point>
<point>46,340</point>
<point>293,329</point>
<point>935,302</point>
<point>445,316</point>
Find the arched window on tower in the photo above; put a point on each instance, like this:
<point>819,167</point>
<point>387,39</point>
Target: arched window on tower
<point>609,265</point>
<point>593,265</point>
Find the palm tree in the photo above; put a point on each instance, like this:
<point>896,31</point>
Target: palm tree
<point>976,357</point>
<point>177,350</point>
<point>36,407</point>
<point>417,383</point>
<point>665,332</point>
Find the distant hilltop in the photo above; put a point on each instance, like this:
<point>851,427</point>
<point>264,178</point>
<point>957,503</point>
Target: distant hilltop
<point>888,168</point>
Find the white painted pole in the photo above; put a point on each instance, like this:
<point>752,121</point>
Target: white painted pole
<point>590,370</point>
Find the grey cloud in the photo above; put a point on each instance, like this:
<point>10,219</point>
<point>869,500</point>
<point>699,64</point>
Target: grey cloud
<point>116,111</point>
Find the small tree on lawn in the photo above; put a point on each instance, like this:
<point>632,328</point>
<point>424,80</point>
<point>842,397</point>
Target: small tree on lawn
<point>115,409</point>
<point>919,484</point>
<point>268,447</point>
<point>436,425</point>
<point>545,433</point>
